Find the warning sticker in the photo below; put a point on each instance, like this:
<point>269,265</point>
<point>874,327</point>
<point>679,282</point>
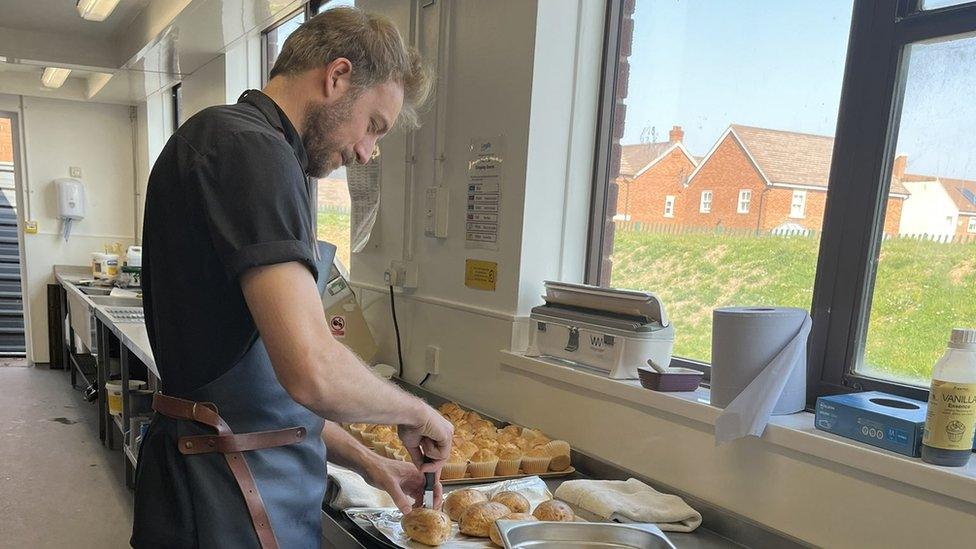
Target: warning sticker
<point>480,275</point>
<point>338,326</point>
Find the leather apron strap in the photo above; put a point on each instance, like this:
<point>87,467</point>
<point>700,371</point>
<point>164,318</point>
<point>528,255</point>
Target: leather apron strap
<point>231,446</point>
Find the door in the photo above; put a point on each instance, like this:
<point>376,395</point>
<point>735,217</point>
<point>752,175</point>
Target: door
<point>12,339</point>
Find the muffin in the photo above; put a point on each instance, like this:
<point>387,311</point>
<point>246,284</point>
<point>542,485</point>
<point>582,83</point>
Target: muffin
<point>554,510</point>
<point>559,451</point>
<point>513,430</point>
<point>483,462</point>
<point>368,435</point>
<point>448,407</point>
<point>381,440</point>
<point>459,500</point>
<point>477,519</point>
<point>472,417</point>
<point>536,461</point>
<point>465,430</point>
<point>455,466</point>
<point>509,460</point>
<point>515,501</point>
<point>505,438</point>
<point>467,448</point>
<point>496,536</point>
<point>522,443</point>
<point>427,526</point>
<point>484,443</point>
<point>356,429</point>
<point>535,437</point>
<point>402,455</point>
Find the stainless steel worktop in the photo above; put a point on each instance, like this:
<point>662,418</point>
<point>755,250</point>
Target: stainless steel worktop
<point>132,335</point>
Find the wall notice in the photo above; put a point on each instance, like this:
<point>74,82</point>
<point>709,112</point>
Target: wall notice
<point>480,275</point>
<point>483,206</point>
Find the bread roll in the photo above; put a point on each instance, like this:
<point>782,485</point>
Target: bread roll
<point>477,519</point>
<point>427,526</point>
<point>496,536</point>
<point>554,510</point>
<point>459,500</point>
<point>515,501</point>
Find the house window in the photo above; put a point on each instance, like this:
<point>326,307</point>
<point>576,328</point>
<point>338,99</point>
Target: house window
<point>745,196</point>
<point>972,225</point>
<point>798,205</point>
<point>905,66</point>
<point>669,206</point>
<point>727,252</point>
<point>706,202</point>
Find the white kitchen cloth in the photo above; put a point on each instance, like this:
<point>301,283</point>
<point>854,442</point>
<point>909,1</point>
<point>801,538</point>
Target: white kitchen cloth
<point>749,412</point>
<point>630,501</point>
<point>354,491</point>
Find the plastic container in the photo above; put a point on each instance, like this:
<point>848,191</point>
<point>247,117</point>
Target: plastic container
<point>133,256</point>
<point>950,422</point>
<point>105,266</point>
<point>114,391</point>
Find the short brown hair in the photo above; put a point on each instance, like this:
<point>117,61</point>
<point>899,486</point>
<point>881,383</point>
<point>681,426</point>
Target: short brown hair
<point>371,43</point>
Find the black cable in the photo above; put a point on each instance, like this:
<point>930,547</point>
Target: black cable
<point>426,377</point>
<point>396,328</point>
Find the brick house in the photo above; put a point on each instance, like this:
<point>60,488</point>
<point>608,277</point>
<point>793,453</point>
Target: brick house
<point>767,180</point>
<point>652,177</point>
<point>6,141</point>
<point>938,206</point>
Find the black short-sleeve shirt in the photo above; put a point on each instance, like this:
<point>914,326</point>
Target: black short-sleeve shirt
<point>227,193</point>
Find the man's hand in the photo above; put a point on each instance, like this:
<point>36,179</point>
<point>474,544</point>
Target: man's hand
<point>430,438</point>
<point>403,481</point>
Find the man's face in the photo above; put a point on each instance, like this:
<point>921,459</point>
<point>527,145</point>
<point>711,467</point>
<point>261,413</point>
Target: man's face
<point>346,129</point>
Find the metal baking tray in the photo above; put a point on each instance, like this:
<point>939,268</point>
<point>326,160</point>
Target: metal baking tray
<point>580,535</point>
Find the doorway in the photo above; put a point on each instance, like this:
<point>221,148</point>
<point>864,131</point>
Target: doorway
<point>13,342</point>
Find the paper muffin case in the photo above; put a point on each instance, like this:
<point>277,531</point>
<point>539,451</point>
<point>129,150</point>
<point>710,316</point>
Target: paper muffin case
<point>452,471</point>
<point>535,465</point>
<point>482,469</point>
<point>507,467</point>
<point>379,447</point>
<point>368,438</point>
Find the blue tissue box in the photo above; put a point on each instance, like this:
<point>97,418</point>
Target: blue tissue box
<point>887,421</point>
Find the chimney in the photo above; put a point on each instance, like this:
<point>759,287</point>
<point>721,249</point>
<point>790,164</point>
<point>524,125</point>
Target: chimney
<point>676,134</point>
<point>901,162</point>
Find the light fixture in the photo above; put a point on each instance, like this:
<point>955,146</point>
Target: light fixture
<point>96,10</point>
<point>54,77</point>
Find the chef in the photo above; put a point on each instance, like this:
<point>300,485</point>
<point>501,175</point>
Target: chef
<point>252,379</point>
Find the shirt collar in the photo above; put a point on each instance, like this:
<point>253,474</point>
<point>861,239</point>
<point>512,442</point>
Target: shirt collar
<point>277,118</point>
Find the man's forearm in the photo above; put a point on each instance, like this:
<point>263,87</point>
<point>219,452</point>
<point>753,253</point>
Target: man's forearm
<point>346,451</point>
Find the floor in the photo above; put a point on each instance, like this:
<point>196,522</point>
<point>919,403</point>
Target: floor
<point>59,487</point>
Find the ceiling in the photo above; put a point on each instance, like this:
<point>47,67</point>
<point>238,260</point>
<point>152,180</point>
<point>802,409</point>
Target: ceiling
<point>61,17</point>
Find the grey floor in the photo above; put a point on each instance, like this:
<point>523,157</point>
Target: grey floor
<point>59,487</point>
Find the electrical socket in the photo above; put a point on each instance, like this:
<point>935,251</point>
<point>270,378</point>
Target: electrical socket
<point>432,360</point>
<point>74,171</point>
<point>402,274</point>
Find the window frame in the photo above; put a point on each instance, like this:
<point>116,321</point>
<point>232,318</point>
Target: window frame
<point>309,9</point>
<point>802,195</point>
<point>669,201</point>
<point>705,206</point>
<point>745,197</point>
<point>971,227</point>
<point>867,127</point>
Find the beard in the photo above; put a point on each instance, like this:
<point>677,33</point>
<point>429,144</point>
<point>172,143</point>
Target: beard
<point>321,125</point>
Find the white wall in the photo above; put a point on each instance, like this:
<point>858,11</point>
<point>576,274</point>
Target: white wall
<point>513,72</point>
<point>204,88</point>
<point>926,210</point>
<point>57,134</point>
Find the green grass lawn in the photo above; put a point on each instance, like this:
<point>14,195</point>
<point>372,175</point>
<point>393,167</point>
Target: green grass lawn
<point>923,289</point>
<point>333,227</point>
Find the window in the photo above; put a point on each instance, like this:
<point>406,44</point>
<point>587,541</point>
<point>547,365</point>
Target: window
<point>878,112</point>
<point>799,204</point>
<point>688,65</point>
<point>745,196</point>
<point>331,192</point>
<point>706,202</point>
<point>972,225</point>
<point>669,206</point>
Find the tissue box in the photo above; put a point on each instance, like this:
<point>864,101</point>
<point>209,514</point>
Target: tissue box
<point>879,419</point>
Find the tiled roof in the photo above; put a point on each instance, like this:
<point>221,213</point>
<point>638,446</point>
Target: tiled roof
<point>963,193</point>
<point>633,158</point>
<point>793,158</point>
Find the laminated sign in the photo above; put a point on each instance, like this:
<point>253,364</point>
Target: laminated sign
<point>483,206</point>
<point>480,275</point>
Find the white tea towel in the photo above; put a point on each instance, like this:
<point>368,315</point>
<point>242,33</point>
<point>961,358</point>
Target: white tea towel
<point>354,491</point>
<point>630,501</point>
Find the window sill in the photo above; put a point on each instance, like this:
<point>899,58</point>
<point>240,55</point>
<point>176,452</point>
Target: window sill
<point>795,432</point>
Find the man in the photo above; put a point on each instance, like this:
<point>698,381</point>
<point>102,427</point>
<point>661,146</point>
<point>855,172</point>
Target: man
<point>250,371</point>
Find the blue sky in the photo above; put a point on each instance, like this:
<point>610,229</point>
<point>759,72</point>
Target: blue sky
<point>769,63</point>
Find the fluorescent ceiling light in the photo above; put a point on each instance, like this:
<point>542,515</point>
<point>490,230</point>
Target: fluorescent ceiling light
<point>54,77</point>
<point>96,10</point>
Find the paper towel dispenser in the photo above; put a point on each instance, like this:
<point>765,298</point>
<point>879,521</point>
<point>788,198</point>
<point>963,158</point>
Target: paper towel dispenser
<point>71,202</point>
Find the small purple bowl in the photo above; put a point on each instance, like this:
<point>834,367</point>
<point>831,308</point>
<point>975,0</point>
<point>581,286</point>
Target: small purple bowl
<point>675,381</point>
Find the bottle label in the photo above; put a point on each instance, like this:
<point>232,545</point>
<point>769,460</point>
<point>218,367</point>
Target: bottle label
<point>951,419</point>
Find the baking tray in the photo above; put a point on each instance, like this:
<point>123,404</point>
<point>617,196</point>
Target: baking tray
<point>482,480</point>
<point>597,535</point>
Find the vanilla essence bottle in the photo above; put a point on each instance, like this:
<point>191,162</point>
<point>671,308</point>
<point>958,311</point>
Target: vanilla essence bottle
<point>950,422</point>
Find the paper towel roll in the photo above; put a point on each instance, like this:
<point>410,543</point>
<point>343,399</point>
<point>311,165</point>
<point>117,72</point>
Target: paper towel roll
<point>744,341</point>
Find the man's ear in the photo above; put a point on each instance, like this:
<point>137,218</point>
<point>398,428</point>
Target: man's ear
<point>338,75</point>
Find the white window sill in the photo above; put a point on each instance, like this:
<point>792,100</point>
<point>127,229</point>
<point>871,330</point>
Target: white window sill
<point>796,432</point>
